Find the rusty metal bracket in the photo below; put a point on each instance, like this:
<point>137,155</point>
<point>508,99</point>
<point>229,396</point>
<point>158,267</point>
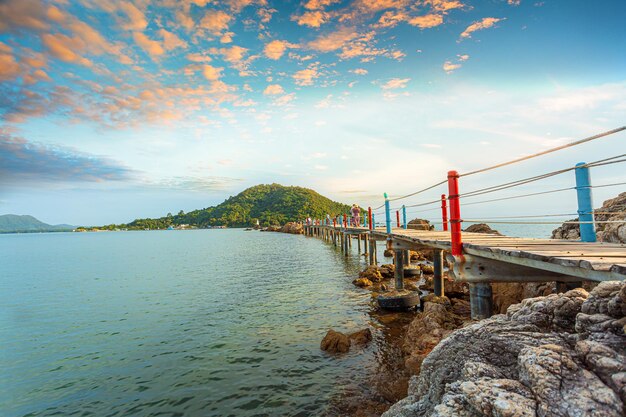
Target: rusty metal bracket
<point>470,268</point>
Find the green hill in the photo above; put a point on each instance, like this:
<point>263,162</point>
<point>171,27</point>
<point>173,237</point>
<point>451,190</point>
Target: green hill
<point>270,204</point>
<point>13,223</point>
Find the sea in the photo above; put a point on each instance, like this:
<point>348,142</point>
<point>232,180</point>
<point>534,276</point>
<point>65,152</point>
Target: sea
<point>222,322</point>
<point>178,323</point>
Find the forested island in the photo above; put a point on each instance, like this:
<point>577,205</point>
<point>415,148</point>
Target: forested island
<point>270,204</point>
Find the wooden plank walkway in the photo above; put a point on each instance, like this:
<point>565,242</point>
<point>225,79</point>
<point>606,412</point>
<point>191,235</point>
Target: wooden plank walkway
<point>593,261</point>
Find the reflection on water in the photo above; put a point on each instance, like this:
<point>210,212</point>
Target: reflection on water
<point>185,323</point>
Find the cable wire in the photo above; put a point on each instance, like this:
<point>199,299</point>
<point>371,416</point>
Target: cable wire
<point>558,148</point>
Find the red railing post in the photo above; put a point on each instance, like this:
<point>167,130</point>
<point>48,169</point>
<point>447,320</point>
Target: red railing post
<point>398,218</point>
<point>369,217</point>
<point>335,222</point>
<point>455,213</point>
<point>444,212</point>
<point>345,221</point>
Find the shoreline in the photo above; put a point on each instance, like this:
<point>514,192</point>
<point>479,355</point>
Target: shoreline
<point>559,324</point>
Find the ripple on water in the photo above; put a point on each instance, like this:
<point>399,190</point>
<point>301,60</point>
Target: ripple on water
<point>213,323</point>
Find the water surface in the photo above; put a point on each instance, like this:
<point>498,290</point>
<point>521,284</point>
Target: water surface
<point>175,323</point>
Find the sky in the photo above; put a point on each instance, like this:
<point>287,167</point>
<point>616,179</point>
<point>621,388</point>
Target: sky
<point>112,110</point>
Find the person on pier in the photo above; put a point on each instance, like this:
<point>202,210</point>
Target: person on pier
<point>356,215</point>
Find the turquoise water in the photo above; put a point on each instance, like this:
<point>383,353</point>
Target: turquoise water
<point>175,323</point>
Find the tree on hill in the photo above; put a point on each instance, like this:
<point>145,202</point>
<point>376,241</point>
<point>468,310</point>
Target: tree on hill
<point>271,204</point>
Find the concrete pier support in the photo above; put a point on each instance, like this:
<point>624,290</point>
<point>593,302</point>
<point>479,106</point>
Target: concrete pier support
<point>358,243</point>
<point>365,241</point>
<point>399,272</point>
<point>481,301</point>
<point>438,278</point>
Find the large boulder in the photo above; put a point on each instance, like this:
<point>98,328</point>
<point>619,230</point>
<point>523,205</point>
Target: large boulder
<point>557,355</point>
<point>482,228</point>
<point>613,210</point>
<point>293,228</point>
<point>335,342</point>
<point>420,224</point>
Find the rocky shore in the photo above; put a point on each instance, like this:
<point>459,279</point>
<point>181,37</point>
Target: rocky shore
<point>543,353</point>
<point>611,210</point>
<point>556,355</point>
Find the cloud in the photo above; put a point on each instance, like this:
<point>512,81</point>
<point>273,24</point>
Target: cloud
<point>211,73</point>
<point>273,89</point>
<point>485,23</point>
<point>152,47</point>
<point>306,76</point>
<point>199,184</point>
<point>29,14</point>
<point>449,66</point>
<point>312,19</point>
<point>136,18</point>
<point>276,48</point>
<point>23,161</point>
<point>444,5</point>
<point>64,48</point>
<point>9,68</point>
<point>216,21</point>
<point>359,71</point>
<point>427,21</point>
<point>319,4</point>
<point>171,40</point>
<point>334,40</point>
<point>395,83</point>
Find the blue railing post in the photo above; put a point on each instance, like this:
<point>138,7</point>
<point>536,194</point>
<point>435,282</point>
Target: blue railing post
<point>387,214</point>
<point>373,221</point>
<point>585,203</point>
<point>404,217</point>
<point>341,221</point>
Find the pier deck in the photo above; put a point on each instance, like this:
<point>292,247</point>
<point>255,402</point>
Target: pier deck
<point>493,258</point>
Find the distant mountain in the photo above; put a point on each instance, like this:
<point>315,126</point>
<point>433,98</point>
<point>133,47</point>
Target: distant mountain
<point>268,203</point>
<point>13,223</point>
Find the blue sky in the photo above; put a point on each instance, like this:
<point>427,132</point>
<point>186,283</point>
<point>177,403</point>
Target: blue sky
<point>112,110</point>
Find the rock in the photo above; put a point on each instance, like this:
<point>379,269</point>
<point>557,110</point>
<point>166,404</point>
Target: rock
<point>427,330</point>
<point>562,387</point>
<point>293,228</point>
<point>372,273</point>
<point>554,312</point>
<point>420,224</point>
<point>482,228</point>
<point>362,282</point>
<point>557,355</point>
<point>335,342</point>
<point>387,270</point>
<point>410,286</point>
<point>508,293</point>
<point>461,308</point>
<point>388,253</point>
<point>427,269</point>
<point>611,210</point>
<point>451,287</point>
<point>361,337</point>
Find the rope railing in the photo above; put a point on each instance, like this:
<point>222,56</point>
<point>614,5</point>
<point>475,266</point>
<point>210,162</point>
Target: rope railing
<point>558,148</point>
<point>450,205</point>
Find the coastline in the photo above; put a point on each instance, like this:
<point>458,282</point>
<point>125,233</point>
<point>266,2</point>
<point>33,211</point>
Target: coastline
<point>531,322</point>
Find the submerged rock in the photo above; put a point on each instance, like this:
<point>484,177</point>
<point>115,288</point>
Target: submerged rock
<point>335,342</point>
<point>372,273</point>
<point>362,282</point>
<point>556,355</point>
<point>362,337</point>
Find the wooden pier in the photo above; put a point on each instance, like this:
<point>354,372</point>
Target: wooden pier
<point>489,258</point>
